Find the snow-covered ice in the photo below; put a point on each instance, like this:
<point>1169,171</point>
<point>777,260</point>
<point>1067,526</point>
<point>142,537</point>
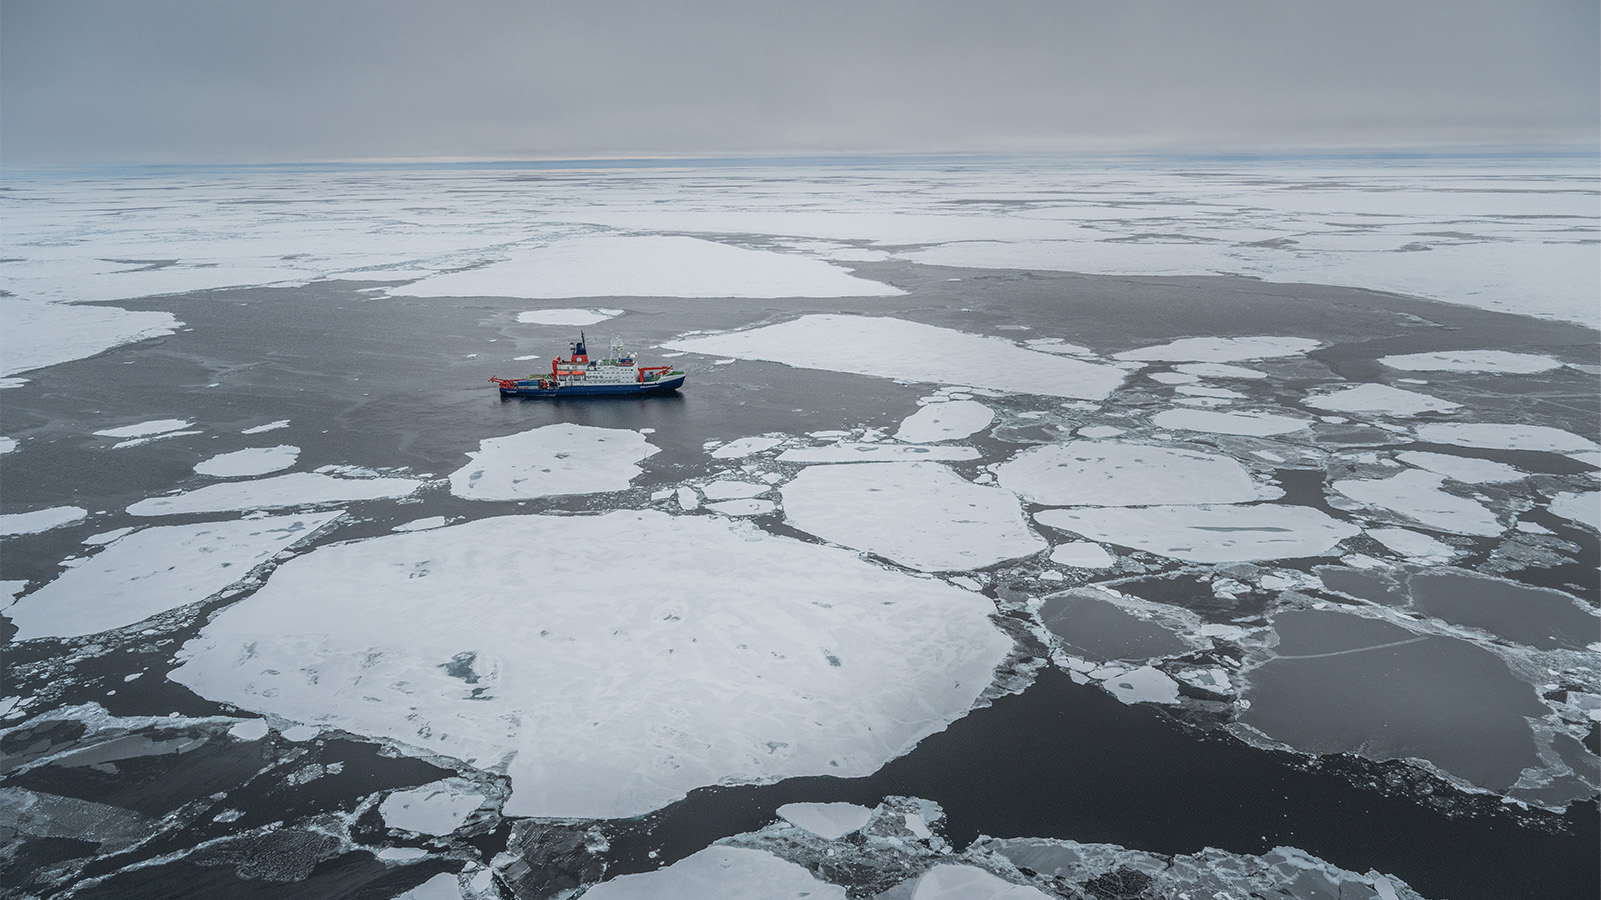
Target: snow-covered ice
<point>743,447</point>
<point>745,507</point>
<point>39,334</point>
<point>726,489</point>
<point>1465,469</point>
<point>1252,424</point>
<point>1220,370</point>
<point>1143,685</point>
<point>41,519</point>
<point>949,421</point>
<point>1113,473</point>
<point>725,873</point>
<point>896,348</point>
<point>7,445</point>
<point>551,460</point>
<point>154,570</point>
<point>249,730</point>
<point>253,461</point>
<point>1583,507</point>
<point>921,515</point>
<point>296,489</point>
<point>1082,555</point>
<point>831,821</point>
<point>1208,534</point>
<point>1506,437</point>
<point>270,426</point>
<point>1413,545</point>
<point>1417,495</point>
<point>145,429</point>
<point>1221,349</point>
<point>949,881</point>
<point>574,317</point>
<point>1380,398</point>
<point>1497,361</point>
<point>646,266</point>
<point>847,452</point>
<point>436,809</point>
<point>712,659</point>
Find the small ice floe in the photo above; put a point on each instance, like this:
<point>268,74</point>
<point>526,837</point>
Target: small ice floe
<point>742,507</point>
<point>1173,377</point>
<point>1221,349</point>
<point>1208,534</point>
<point>1143,685</point>
<point>408,854</point>
<point>1082,555</point>
<point>1465,469</point>
<point>137,442</point>
<point>950,421</point>
<point>154,570</point>
<point>524,358</point>
<point>7,445</point>
<point>437,809</point>
<point>298,489</point>
<point>421,524</point>
<point>254,461</point>
<point>572,317</point>
<point>1416,495</point>
<point>727,873</point>
<point>896,348</point>
<point>921,515</point>
<point>687,499</point>
<point>415,640</point>
<point>1057,345</point>
<point>830,821</point>
<point>1583,507</point>
<point>844,452</point>
<point>1413,545</point>
<point>41,520</point>
<point>270,426</point>
<point>1380,398</point>
<point>743,447</point>
<point>1506,437</point>
<point>146,429</point>
<point>552,460</point>
<point>733,490</point>
<point>1220,370</point>
<point>1252,424</point>
<point>1099,431</point>
<point>249,730</point>
<point>1496,361</point>
<point>443,886</point>
<point>1113,473</point>
<point>1211,393</point>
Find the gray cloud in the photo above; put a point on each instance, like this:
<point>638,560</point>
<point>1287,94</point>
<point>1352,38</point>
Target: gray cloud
<point>201,81</point>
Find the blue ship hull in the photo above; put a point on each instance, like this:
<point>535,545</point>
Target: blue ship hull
<point>529,387</point>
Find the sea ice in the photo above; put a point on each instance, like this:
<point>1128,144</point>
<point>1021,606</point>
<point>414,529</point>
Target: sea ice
<point>1583,507</point>
<point>443,886</point>
<point>1221,350</point>
<point>1099,431</point>
<point>1506,437</point>
<point>949,881</point>
<point>1380,398</point>
<point>297,489</point>
<point>249,730</point>
<point>895,348</point>
<point>554,459</point>
<point>40,334</point>
<point>719,655</point>
<point>436,809</point>
<point>1465,469</point>
<point>726,873</point>
<point>647,266</point>
<point>1220,370</point>
<point>1412,544</point>
<point>949,421</point>
<point>41,520</point>
<point>852,453</point>
<point>270,426</point>
<point>1498,361</point>
<point>1416,495</point>
<point>254,461</point>
<point>743,507</point>
<point>1082,555</point>
<point>733,490</point>
<point>1208,534</point>
<point>572,317</point>
<point>921,515</point>
<point>1143,685</point>
<point>830,821</point>
<point>154,570</point>
<point>1253,424</point>
<point>7,445</point>
<point>1113,473</point>
<point>743,447</point>
<point>145,429</point>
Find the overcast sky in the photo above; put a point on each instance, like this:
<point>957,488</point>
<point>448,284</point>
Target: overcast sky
<point>86,81</point>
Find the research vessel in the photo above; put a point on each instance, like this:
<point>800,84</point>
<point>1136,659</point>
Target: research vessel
<point>619,374</point>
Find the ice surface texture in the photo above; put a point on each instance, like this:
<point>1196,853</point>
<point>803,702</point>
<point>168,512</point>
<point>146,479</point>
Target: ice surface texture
<point>38,334</point>
<point>895,348</point>
<point>830,821</point>
<point>1109,473</point>
<point>1208,534</point>
<point>298,489</point>
<point>719,654</point>
<point>949,421</point>
<point>555,459</point>
<point>41,519</point>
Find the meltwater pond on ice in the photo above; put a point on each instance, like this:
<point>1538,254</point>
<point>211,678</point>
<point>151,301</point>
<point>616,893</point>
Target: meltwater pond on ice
<point>718,655</point>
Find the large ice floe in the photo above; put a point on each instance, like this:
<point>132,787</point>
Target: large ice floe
<point>154,570</point>
<point>41,520</point>
<point>552,460</point>
<point>1380,398</point>
<point>567,316</point>
<point>1506,437</point>
<point>1222,349</point>
<point>896,348</point>
<point>646,266</point>
<point>719,655</point>
<point>39,334</point>
<point>728,873</point>
<point>919,514</point>
<point>948,421</point>
<point>297,489</point>
<point>1494,361</point>
<point>1250,424</point>
<point>1113,473</point>
<point>1418,496</point>
<point>1208,534</point>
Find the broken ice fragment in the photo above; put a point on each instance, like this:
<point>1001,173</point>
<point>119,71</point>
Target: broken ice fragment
<point>1417,496</point>
<point>254,461</point>
<point>1221,349</point>
<point>831,821</point>
<point>1112,473</point>
<point>1082,555</point>
<point>726,873</point>
<point>948,421</point>
<point>1412,544</point>
<point>436,809</point>
<point>298,489</point>
<point>1254,424</point>
<point>1506,437</point>
<point>552,460</point>
<point>1465,469</point>
<point>1583,507</point>
<point>1497,361</point>
<point>745,447</point>
<point>1207,534</point>
<point>1380,398</point>
<point>41,520</point>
